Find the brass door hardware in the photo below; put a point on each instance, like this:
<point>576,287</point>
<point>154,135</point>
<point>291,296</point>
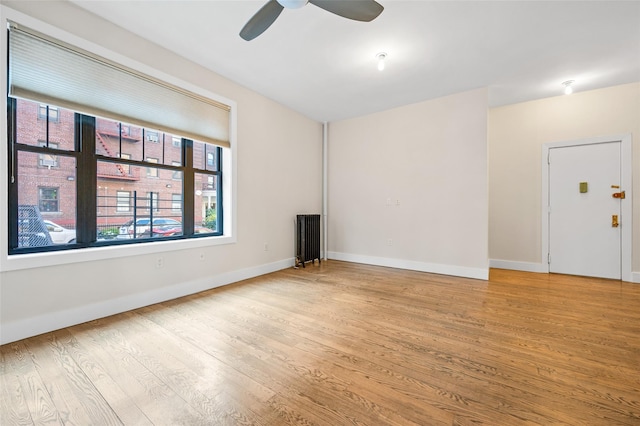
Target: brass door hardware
<point>620,195</point>
<point>614,221</point>
<point>584,187</point>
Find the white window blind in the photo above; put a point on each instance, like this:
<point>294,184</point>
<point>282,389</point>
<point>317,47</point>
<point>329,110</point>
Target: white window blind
<point>50,71</point>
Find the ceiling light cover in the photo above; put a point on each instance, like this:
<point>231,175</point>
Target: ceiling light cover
<point>568,87</point>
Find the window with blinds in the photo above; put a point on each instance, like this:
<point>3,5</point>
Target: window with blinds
<point>117,156</point>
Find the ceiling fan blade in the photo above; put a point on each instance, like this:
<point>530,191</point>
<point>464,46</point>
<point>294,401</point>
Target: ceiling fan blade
<point>261,20</point>
<point>359,10</point>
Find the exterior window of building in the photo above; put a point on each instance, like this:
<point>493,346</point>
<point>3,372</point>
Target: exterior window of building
<point>48,199</point>
<point>123,201</point>
<point>125,130</point>
<point>45,111</point>
<point>48,160</point>
<point>125,167</point>
<point>153,201</point>
<point>210,159</point>
<point>176,142</point>
<point>176,202</point>
<point>152,171</point>
<point>177,174</point>
<point>152,136</point>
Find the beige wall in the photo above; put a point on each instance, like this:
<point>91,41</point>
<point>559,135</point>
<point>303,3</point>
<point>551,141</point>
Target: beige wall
<point>516,134</point>
<point>415,175</point>
<point>279,174</point>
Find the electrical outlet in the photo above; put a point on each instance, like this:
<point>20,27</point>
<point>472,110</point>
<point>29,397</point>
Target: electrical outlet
<point>389,242</point>
<point>201,256</point>
<point>159,262</point>
<point>388,201</point>
<point>266,247</point>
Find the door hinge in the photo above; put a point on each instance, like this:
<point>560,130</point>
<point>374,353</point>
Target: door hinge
<point>549,258</point>
<point>549,157</point>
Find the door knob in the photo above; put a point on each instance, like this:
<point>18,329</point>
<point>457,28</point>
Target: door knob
<point>614,221</point>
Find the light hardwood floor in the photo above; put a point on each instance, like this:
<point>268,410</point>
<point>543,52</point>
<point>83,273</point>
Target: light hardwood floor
<point>341,344</point>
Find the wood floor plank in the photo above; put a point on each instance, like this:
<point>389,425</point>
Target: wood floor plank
<point>33,391</point>
<point>342,343</point>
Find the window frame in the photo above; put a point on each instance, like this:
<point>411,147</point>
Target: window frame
<point>229,161</point>
<point>85,140</point>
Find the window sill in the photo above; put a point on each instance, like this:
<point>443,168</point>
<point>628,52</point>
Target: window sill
<point>65,257</point>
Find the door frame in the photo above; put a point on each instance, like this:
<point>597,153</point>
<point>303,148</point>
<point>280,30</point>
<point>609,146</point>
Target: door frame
<point>626,165</point>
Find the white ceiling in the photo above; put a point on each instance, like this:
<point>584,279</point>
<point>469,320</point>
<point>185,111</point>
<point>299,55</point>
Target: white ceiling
<point>324,66</point>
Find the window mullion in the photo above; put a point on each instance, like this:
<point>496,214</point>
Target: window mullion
<point>86,191</point>
<point>188,188</point>
<point>13,175</point>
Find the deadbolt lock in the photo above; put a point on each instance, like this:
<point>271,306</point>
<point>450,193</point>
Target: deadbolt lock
<point>620,195</point>
<point>614,221</point>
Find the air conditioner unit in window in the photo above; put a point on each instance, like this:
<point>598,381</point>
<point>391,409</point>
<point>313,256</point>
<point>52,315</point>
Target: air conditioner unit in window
<point>152,138</point>
<point>48,163</point>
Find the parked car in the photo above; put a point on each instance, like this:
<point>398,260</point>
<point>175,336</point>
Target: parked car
<point>171,231</point>
<point>59,234</point>
<point>142,226</point>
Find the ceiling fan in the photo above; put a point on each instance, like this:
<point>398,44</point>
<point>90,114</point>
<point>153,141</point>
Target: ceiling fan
<point>359,10</point>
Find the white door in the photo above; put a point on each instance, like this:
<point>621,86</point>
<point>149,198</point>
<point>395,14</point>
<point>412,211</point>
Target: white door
<point>584,215</point>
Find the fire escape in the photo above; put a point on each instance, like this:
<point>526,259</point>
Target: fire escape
<point>114,170</point>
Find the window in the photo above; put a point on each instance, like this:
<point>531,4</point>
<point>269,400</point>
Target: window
<point>153,200</point>
<point>45,111</point>
<point>126,169</point>
<point>152,171</point>
<point>176,202</point>
<point>176,174</point>
<point>152,136</point>
<point>48,199</point>
<point>123,201</point>
<point>48,160</point>
<point>118,175</point>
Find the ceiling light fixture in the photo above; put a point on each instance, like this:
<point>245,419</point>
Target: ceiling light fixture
<point>381,58</point>
<point>568,87</point>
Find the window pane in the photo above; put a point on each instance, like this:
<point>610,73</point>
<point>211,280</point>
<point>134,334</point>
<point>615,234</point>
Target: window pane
<point>31,123</point>
<point>115,140</point>
<point>47,201</point>
<point>123,204</point>
<point>205,203</point>
<point>172,149</point>
<point>205,156</point>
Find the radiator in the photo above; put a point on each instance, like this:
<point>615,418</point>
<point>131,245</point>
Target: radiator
<point>307,238</point>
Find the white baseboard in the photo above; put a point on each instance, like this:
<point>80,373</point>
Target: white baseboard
<point>33,326</point>
<point>635,277</point>
<point>435,268</point>
<point>518,266</point>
